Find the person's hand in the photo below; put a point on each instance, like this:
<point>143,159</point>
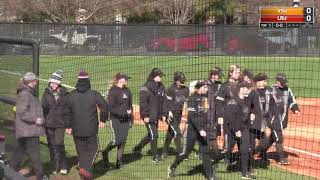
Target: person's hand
<point>39,121</point>
<point>129,111</point>
<point>297,112</point>
<point>238,134</point>
<point>146,119</point>
<point>102,124</point>
<point>252,117</point>
<point>203,133</point>
<point>69,131</point>
<point>220,120</point>
<point>268,132</point>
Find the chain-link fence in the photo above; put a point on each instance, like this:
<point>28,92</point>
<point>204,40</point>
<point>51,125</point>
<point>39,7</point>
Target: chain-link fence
<point>104,50</point>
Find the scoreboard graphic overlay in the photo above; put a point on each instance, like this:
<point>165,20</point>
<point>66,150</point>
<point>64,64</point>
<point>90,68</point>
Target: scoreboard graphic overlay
<point>286,17</point>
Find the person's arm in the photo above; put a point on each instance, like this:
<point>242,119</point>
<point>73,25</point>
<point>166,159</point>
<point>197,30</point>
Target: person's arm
<point>130,115</point>
<point>23,108</point>
<point>103,106</point>
<point>293,105</point>
<point>144,103</point>
<point>45,105</point>
<point>67,111</point>
<point>220,103</point>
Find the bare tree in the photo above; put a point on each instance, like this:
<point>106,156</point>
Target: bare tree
<point>176,11</point>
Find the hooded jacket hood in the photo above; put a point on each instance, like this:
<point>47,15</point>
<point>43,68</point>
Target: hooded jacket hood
<point>22,87</point>
<point>83,85</point>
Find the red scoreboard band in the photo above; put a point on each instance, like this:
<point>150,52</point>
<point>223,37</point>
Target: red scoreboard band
<point>283,18</point>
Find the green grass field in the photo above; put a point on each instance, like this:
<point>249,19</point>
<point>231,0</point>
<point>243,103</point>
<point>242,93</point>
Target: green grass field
<point>303,75</point>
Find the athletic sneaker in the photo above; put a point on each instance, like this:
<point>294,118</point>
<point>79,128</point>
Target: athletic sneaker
<point>157,159</point>
<point>171,172</point>
<point>284,162</point>
<point>248,176</point>
<point>137,150</point>
<point>105,158</point>
<point>63,171</point>
<point>198,156</point>
<point>119,165</point>
<point>45,177</point>
<point>55,172</point>
<point>164,155</point>
<point>84,174</point>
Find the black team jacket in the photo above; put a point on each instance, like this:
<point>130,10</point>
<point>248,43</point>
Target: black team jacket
<point>152,96</point>
<point>237,113</point>
<point>284,99</point>
<point>264,108</point>
<point>175,98</point>
<point>119,102</point>
<point>198,115</point>
<point>53,109</point>
<point>81,110</point>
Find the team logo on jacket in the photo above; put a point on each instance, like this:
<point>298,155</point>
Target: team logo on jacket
<point>124,96</point>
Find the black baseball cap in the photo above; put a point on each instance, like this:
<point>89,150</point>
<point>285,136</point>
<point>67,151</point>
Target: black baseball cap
<point>121,75</point>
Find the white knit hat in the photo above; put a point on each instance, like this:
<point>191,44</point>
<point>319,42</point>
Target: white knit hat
<point>56,77</point>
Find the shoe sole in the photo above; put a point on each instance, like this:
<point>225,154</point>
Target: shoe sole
<point>284,163</point>
<point>246,178</point>
<point>169,172</point>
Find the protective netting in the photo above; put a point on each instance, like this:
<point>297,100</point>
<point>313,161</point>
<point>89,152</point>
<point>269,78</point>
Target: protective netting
<point>104,50</point>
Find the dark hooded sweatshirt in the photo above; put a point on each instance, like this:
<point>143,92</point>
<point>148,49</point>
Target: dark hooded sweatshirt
<point>53,108</point>
<point>81,110</point>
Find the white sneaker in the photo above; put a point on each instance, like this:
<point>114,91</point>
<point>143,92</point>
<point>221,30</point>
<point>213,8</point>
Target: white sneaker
<point>63,171</point>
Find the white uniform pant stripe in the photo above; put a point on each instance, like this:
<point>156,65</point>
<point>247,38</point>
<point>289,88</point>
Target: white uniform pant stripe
<point>276,135</point>
<point>98,147</point>
<point>174,131</point>
<point>185,140</point>
<point>113,134</point>
<point>152,136</point>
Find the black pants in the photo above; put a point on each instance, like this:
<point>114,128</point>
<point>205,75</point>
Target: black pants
<point>151,137</point>
<point>87,149</point>
<point>245,150</point>
<point>209,151</point>
<point>277,138</point>
<point>55,138</point>
<point>31,147</point>
<point>120,134</point>
<point>173,132</point>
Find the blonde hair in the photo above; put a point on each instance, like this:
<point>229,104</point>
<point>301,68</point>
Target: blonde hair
<point>232,68</point>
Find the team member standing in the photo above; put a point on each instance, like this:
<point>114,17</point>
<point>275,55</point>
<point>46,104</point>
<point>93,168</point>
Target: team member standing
<point>236,114</point>
<point>177,94</point>
<point>28,125</point>
<point>223,98</point>
<point>199,129</point>
<point>284,99</point>
<point>152,96</point>
<point>120,108</point>
<point>83,122</point>
<point>214,85</point>
<point>264,114</point>
<point>53,103</point>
